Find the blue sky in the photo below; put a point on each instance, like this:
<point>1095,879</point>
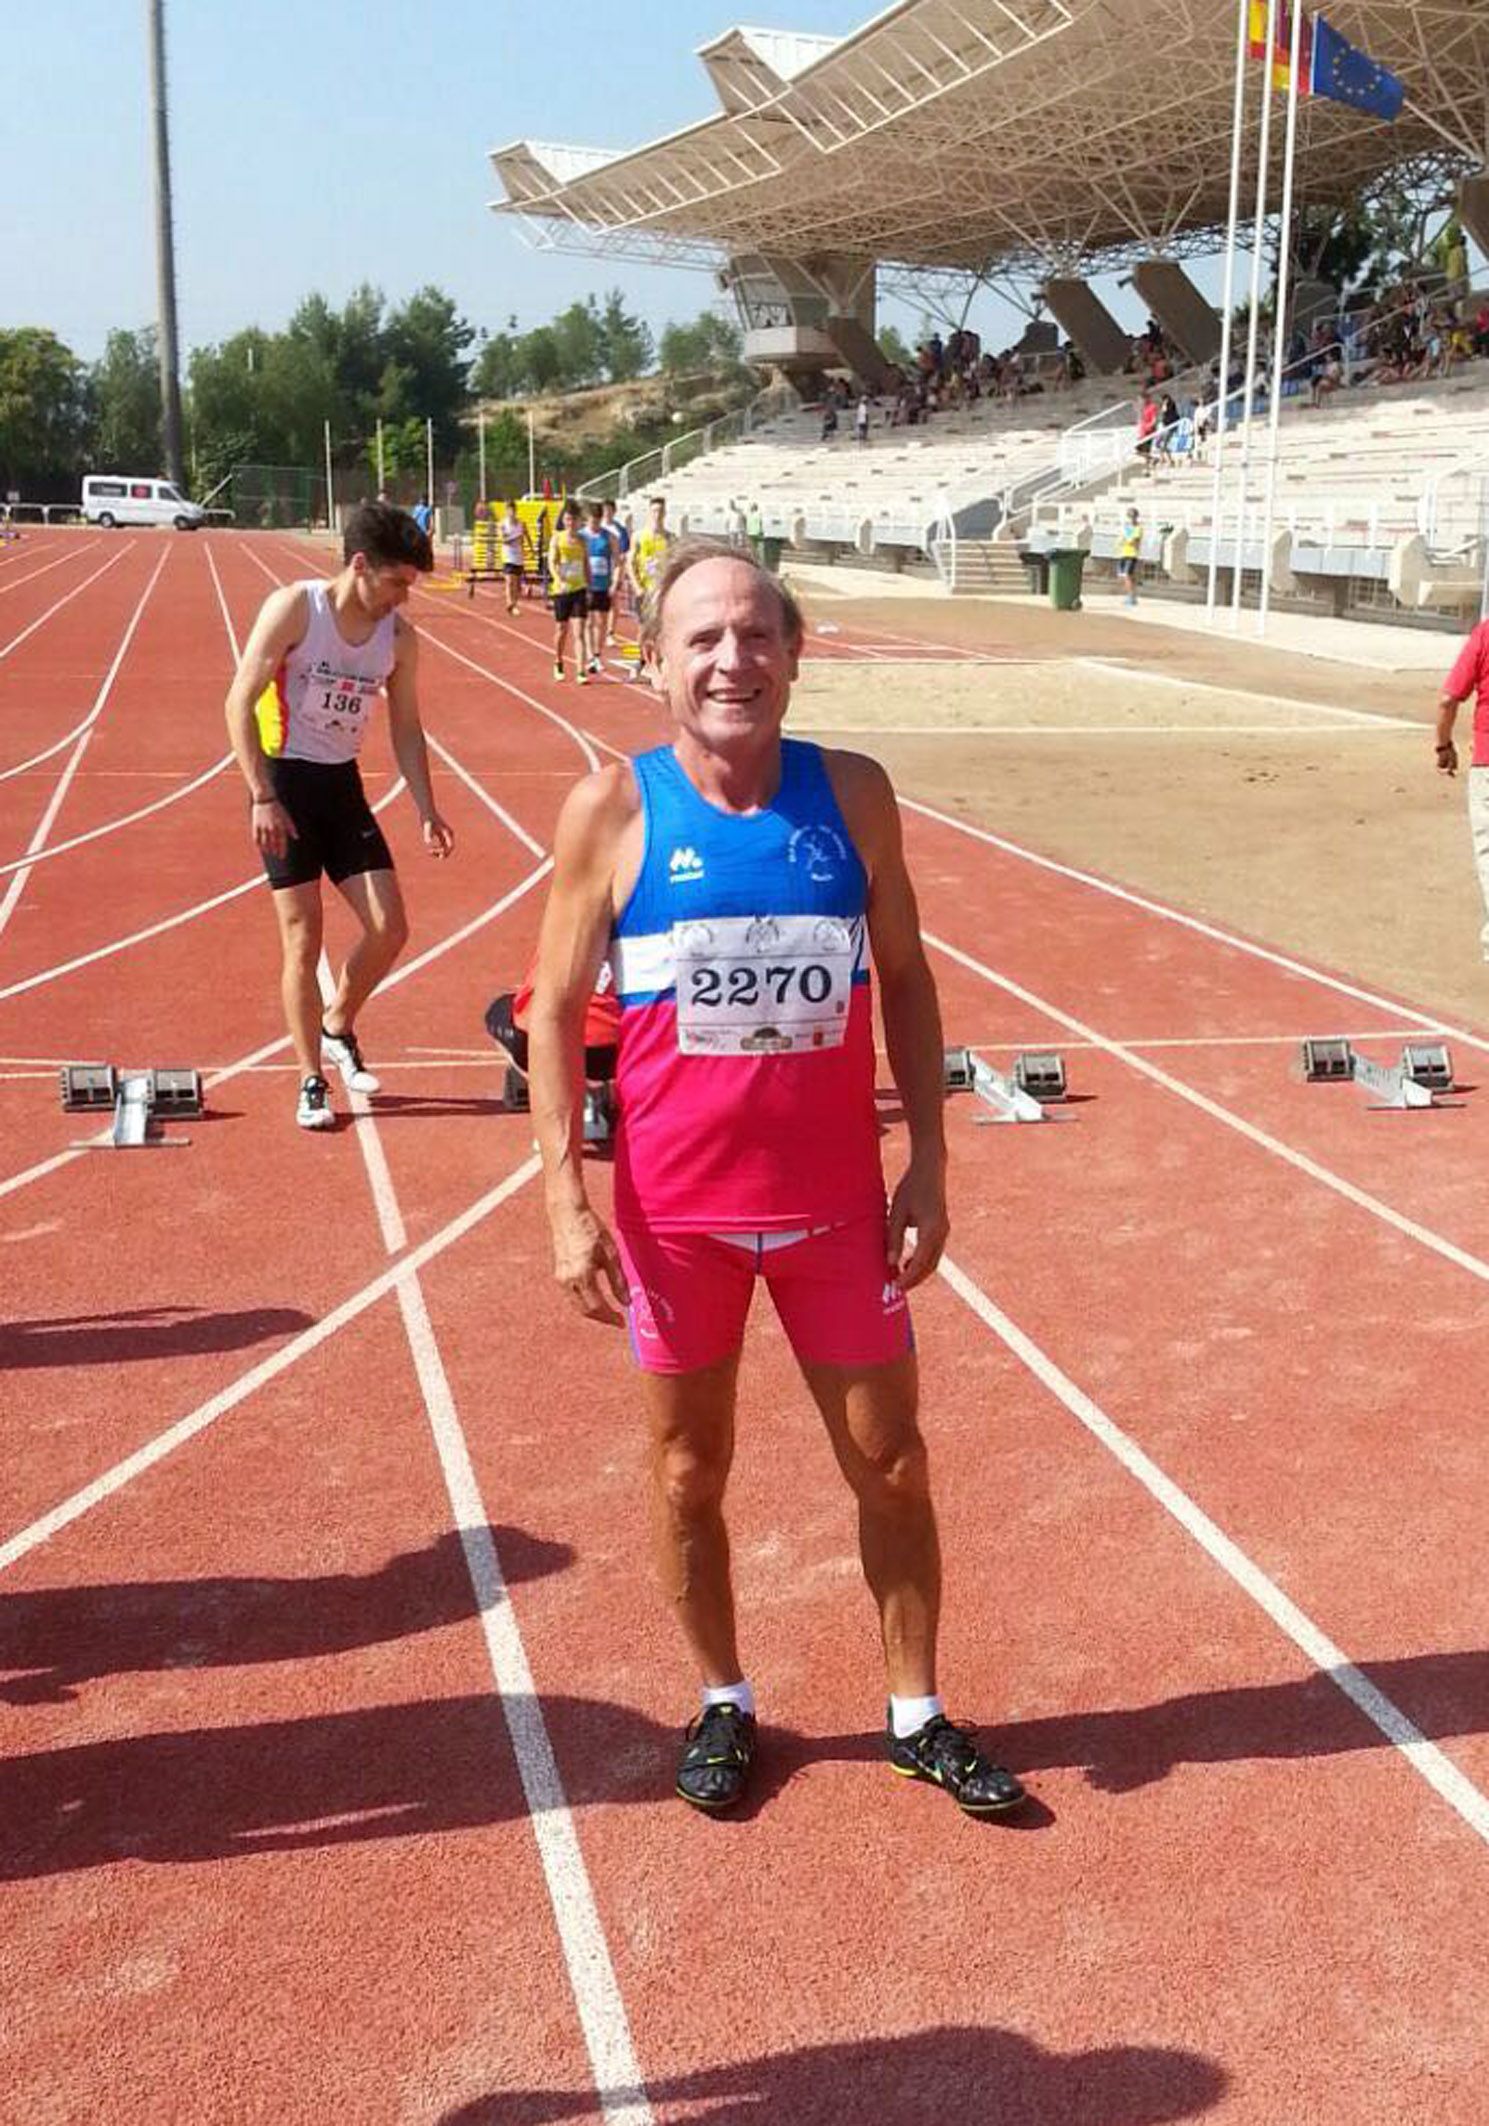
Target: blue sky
<point>320,143</point>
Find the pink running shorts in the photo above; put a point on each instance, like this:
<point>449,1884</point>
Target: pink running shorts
<point>838,1300</point>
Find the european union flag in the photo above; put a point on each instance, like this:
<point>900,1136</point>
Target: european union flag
<point>1351,77</point>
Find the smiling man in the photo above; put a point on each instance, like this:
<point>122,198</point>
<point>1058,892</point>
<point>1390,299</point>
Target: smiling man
<point>319,655</point>
<point>738,880</point>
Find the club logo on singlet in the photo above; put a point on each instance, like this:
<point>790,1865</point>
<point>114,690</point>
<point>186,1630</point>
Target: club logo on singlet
<point>683,865</point>
<point>820,850</point>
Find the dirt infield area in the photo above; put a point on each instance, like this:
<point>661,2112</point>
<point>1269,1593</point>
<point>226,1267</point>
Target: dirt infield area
<point>1287,797</point>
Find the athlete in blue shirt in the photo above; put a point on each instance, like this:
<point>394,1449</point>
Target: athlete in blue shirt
<point>603,561</point>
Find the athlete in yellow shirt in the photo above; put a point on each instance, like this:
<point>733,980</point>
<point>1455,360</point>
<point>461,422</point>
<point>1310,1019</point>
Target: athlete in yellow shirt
<point>568,574</point>
<point>649,551</point>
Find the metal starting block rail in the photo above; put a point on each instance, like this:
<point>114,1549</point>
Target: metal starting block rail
<point>1425,1069</point>
<point>139,1098</point>
<point>1009,1098</point>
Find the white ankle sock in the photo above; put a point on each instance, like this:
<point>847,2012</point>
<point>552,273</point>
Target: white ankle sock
<point>907,1715</point>
<point>739,1694</point>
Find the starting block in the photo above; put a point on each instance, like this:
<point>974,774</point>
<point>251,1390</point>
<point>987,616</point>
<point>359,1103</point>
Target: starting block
<point>599,1115</point>
<point>1041,1074</point>
<point>1036,1078</point>
<point>1004,1096</point>
<point>1423,1069</point>
<point>136,1097</point>
<point>1428,1063</point>
<point>1326,1061</point>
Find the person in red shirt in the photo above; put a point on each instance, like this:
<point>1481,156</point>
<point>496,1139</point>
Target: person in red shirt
<point>1470,677</point>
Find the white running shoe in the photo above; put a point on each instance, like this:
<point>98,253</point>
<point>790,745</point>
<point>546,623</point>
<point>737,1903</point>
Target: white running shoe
<point>342,1050</point>
<point>315,1110</point>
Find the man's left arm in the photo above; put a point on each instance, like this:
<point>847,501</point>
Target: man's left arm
<point>910,1008</point>
<point>408,739</point>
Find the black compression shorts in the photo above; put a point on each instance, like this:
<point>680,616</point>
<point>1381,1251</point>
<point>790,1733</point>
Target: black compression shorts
<point>570,605</point>
<point>335,831</point>
<point>599,601</point>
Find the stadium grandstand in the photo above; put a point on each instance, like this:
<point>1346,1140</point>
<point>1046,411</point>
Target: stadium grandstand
<point>1036,145</point>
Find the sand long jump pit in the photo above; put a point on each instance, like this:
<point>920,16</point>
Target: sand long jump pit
<point>1083,696</point>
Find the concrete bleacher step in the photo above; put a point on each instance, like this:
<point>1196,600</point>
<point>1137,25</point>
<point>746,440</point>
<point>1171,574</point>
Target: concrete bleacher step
<point>987,568</point>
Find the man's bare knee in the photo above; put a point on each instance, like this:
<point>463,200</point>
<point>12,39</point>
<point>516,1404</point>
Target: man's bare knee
<point>690,1482</point>
<point>890,1473</point>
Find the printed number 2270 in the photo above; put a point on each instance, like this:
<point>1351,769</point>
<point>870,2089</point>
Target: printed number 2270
<point>743,986</point>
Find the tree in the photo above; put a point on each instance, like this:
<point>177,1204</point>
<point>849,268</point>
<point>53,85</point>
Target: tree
<point>541,364</point>
<point>576,334</point>
<point>626,346</point>
<point>893,348</point>
<point>710,342</point>
<point>43,409</point>
<point>125,391</point>
<point>497,372</point>
<point>428,339</point>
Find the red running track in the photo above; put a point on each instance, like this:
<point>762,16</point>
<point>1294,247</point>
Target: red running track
<point>309,1802</point>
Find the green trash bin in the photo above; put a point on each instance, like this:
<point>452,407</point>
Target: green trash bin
<point>770,553</point>
<point>1066,564</point>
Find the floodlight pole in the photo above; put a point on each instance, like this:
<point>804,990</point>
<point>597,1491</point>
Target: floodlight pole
<point>1279,336</point>
<point>429,464</point>
<point>165,252</point>
<point>381,482</point>
<point>330,483</point>
<point>1253,330</point>
<point>532,468</point>
<point>1228,299</point>
<point>481,449</point>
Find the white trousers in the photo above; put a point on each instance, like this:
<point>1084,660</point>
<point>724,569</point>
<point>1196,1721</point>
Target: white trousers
<point>1478,825</point>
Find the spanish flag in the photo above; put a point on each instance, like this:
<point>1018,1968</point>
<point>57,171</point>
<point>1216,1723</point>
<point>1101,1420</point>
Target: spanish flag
<point>1281,52</point>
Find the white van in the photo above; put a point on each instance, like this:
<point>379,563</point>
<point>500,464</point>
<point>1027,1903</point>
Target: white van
<point>111,498</point>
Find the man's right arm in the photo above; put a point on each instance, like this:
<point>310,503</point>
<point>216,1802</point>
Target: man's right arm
<point>571,949</point>
<point>1460,683</point>
<point>279,626</point>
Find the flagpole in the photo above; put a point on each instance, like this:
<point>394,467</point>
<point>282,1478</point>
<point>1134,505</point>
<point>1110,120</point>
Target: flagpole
<point>1284,284</point>
<point>1228,301</point>
<point>1253,330</point>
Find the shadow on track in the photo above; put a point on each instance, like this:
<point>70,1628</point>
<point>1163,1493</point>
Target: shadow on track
<point>140,1332</point>
<point>53,1639</point>
<point>979,2077</point>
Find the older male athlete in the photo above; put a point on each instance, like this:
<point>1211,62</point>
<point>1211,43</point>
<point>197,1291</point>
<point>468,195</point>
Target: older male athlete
<point>318,656</point>
<point>737,880</point>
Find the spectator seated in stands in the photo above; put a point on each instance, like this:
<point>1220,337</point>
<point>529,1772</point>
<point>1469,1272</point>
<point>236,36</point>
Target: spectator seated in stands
<point>1326,379</point>
<point>829,421</point>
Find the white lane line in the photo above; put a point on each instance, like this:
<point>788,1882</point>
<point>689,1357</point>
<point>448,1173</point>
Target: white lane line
<point>60,745</point>
<point>22,869</point>
<point>605,746</point>
<point>125,819</point>
<point>1425,1758</point>
<point>1397,1220</point>
<point>1143,1042</point>
<point>66,599</point>
<point>401,973</point>
<point>485,796</point>
<point>13,583</point>
<point>597,1995</point>
<point>196,1421</point>
<point>153,930</point>
<point>1209,686</point>
<point>1422,1021</point>
<point>128,819</point>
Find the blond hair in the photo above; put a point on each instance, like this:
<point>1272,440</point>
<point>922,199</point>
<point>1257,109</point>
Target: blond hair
<point>686,553</point>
